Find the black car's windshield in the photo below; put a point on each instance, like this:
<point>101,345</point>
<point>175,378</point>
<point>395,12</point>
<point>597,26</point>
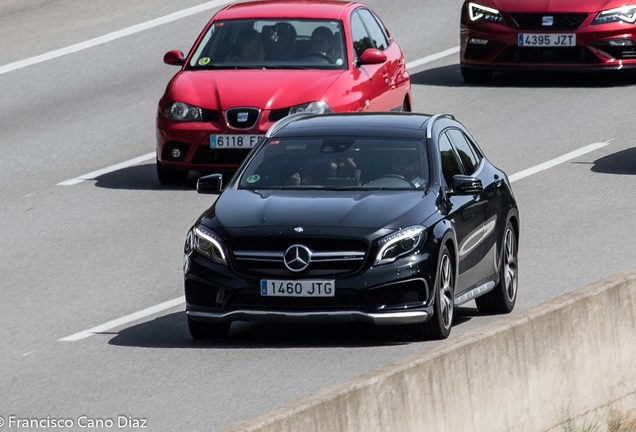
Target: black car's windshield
<point>271,43</point>
<point>351,163</point>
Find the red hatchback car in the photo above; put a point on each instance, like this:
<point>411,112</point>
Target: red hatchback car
<point>498,35</point>
<point>255,63</point>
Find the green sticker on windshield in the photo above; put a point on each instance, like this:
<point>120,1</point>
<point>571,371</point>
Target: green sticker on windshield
<point>204,60</point>
<point>253,178</point>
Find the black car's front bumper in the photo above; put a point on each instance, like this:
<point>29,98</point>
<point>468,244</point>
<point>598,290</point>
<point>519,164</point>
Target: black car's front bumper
<point>313,317</point>
<point>391,294</point>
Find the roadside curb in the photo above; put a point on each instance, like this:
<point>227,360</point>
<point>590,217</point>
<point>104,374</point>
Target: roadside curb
<point>573,354</point>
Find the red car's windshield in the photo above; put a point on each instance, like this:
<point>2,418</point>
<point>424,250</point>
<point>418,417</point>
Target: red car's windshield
<point>272,43</point>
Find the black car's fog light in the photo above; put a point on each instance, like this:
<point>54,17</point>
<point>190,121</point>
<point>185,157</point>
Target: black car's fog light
<point>401,295</point>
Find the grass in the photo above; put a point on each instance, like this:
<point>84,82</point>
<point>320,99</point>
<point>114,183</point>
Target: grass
<point>613,421</point>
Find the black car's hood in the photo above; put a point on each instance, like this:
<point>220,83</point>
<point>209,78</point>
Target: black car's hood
<point>315,208</point>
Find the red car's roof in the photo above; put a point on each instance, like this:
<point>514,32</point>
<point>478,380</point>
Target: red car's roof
<point>330,9</point>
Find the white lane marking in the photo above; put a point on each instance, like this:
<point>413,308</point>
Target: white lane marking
<point>113,36</point>
<point>554,162</point>
<point>180,300</point>
<point>30,352</point>
<point>125,320</point>
<point>432,57</point>
<point>93,175</point>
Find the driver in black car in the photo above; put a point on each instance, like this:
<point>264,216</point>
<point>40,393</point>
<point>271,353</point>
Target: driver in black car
<point>408,167</point>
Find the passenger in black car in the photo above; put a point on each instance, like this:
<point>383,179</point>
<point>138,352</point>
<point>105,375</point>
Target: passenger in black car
<point>313,172</point>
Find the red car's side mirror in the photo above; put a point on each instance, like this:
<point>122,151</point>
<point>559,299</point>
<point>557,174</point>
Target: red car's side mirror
<point>372,56</point>
<point>174,58</point>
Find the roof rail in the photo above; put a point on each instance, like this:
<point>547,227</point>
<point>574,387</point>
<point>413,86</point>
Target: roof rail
<point>285,121</point>
<point>432,120</point>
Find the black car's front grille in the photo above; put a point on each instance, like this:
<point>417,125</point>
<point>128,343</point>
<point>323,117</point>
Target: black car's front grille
<point>477,51</point>
<point>242,118</point>
<point>275,115</point>
<point>545,55</point>
<point>209,115</point>
<point>252,298</point>
<point>330,257</point>
<point>206,155</point>
<point>560,21</point>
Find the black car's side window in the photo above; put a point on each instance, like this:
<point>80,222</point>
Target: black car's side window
<point>451,164</point>
<point>361,40</point>
<point>469,157</point>
<point>380,40</point>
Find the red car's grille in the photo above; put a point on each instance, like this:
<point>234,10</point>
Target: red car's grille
<point>476,51</point>
<point>619,52</point>
<point>209,115</point>
<point>560,55</point>
<point>242,118</point>
<point>275,115</point>
<point>561,21</point>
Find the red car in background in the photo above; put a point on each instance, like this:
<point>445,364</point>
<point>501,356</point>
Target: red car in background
<point>499,35</point>
<point>255,63</point>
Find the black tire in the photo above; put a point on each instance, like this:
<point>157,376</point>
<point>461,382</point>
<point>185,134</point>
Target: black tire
<point>503,298</point>
<point>440,324</point>
<point>170,176</point>
<point>475,75</point>
<point>207,331</point>
<point>406,107</point>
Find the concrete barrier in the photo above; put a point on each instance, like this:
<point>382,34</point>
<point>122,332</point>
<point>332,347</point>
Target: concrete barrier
<point>572,356</point>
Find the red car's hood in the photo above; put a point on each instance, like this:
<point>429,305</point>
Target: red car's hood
<point>264,89</point>
<point>555,5</point>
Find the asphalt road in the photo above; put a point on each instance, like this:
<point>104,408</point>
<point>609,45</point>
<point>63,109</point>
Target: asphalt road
<point>74,257</point>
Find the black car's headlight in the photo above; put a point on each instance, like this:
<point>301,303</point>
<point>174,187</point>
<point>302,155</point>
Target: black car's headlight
<point>478,12</point>
<point>399,244</point>
<point>206,243</point>
<point>183,112</point>
<point>318,107</point>
<point>622,14</point>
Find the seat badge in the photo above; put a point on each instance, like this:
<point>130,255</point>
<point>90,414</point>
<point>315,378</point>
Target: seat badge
<point>241,117</point>
<point>547,21</point>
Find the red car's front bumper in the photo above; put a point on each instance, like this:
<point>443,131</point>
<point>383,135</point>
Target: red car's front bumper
<point>598,47</point>
<point>186,145</point>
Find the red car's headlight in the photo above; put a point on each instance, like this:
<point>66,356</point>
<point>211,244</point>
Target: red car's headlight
<point>182,112</point>
<point>622,14</point>
<point>478,12</point>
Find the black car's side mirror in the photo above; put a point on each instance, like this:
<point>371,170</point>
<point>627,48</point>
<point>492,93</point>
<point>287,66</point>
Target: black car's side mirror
<point>174,58</point>
<point>466,185</point>
<point>210,184</point>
